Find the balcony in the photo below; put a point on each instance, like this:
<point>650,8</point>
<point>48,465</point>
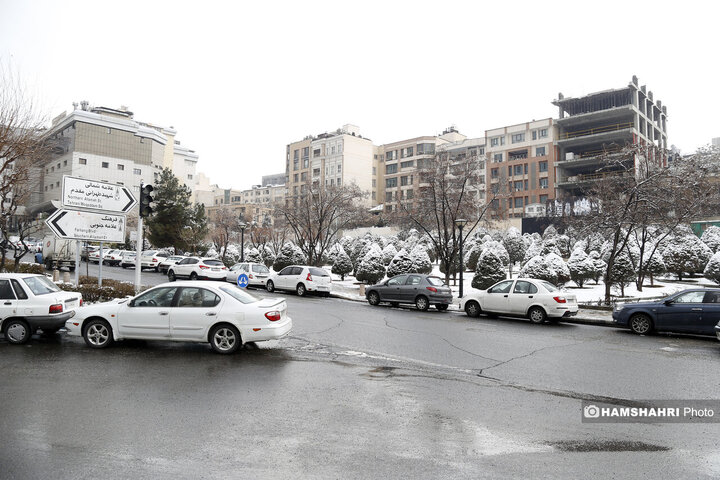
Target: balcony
<point>587,178</point>
<point>619,133</point>
<point>596,130</point>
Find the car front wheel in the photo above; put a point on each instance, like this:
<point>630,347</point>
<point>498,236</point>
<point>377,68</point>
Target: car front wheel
<point>171,276</point>
<point>422,303</point>
<point>641,324</point>
<point>225,339</point>
<point>17,331</point>
<point>98,334</point>
<point>193,276</point>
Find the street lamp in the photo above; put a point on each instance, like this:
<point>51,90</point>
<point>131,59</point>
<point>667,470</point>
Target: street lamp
<point>460,222</point>
<point>242,226</point>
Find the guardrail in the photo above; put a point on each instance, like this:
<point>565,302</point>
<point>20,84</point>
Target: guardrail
<point>593,131</point>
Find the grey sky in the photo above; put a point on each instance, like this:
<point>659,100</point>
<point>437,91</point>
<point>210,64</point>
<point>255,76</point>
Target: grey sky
<point>240,80</point>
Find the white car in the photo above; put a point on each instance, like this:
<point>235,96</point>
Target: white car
<point>113,257</point>
<point>537,300</point>
<point>257,273</point>
<point>167,262</point>
<point>196,268</point>
<point>221,314</point>
<point>95,255</point>
<point>152,259</point>
<point>128,259</point>
<point>32,302</point>
<point>301,279</point>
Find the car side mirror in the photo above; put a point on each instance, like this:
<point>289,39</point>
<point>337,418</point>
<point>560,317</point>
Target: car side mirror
<point>668,302</point>
<point>131,303</point>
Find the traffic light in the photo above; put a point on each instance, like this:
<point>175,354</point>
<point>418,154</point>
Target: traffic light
<point>146,199</point>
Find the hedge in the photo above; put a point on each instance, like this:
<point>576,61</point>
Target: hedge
<point>92,293</point>
<point>24,267</point>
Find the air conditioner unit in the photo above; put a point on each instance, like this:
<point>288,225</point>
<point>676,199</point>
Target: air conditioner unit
<point>570,156</point>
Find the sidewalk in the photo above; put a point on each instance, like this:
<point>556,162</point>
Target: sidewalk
<point>585,316</point>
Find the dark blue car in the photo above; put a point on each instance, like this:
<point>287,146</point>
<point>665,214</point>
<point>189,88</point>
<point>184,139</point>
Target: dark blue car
<point>690,311</point>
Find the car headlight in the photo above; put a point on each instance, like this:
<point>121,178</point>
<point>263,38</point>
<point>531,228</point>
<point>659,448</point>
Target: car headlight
<point>618,307</point>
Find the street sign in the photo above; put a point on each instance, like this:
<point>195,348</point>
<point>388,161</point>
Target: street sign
<point>95,227</point>
<point>94,195</point>
<point>133,236</point>
<point>242,280</point>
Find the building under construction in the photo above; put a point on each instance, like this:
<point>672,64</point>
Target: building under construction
<point>593,127</point>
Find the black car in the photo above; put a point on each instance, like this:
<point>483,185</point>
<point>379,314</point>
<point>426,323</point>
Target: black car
<point>691,311</point>
<point>422,290</point>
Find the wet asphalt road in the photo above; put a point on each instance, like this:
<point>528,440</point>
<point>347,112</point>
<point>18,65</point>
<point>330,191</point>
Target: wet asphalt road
<point>357,392</point>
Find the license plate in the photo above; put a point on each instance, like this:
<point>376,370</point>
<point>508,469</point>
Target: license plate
<point>215,269</point>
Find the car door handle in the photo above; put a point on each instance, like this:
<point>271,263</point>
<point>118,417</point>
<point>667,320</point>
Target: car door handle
<point>211,314</point>
<point>697,309</point>
<point>164,313</point>
<point>505,296</point>
<point>530,296</point>
<point>8,303</point>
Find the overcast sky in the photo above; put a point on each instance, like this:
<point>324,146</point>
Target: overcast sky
<point>240,80</point>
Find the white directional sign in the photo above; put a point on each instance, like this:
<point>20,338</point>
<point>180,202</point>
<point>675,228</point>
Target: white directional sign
<point>94,195</point>
<point>95,227</point>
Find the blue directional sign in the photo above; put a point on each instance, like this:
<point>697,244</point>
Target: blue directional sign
<point>242,280</point>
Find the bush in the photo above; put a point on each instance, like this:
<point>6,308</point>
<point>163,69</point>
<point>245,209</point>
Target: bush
<point>371,268</point>
<point>489,270</point>
<point>92,293</point>
<point>343,264</point>
<point>24,267</point>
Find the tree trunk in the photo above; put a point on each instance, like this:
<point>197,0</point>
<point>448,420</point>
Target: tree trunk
<point>510,265</point>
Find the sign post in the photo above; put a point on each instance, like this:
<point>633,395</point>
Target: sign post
<point>79,225</point>
<point>92,195</point>
<point>242,280</point>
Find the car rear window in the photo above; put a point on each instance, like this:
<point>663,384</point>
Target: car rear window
<point>436,281</point>
<point>549,286</point>
<point>319,272</point>
<point>212,262</point>
<point>260,269</point>
<point>240,295</point>
<point>40,285</point>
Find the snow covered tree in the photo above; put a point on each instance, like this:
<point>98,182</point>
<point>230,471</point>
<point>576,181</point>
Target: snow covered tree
<point>498,249</point>
<point>599,265</point>
<point>268,256</point>
<point>538,268</point>
<point>490,270</point>
<point>253,256</point>
<point>400,264</point>
<point>712,269</point>
<point>342,265</point>
<point>533,250</point>
<point>371,268</point>
<point>559,267</point>
<point>472,256</point>
<point>290,254</point>
<point>623,271</point>
<point>711,238</point>
<point>653,264</point>
<point>580,268</point>
<point>550,245</point>
<point>685,254</point>
<point>550,231</point>
<point>420,260</point>
<point>563,245</point>
<point>514,246</point>
<point>389,253</point>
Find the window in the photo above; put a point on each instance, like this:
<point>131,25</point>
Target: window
<point>526,185</point>
<point>296,178</point>
<point>404,181</point>
<point>391,182</point>
<point>296,154</point>
<point>543,133</point>
<point>374,183</point>
<point>105,165</point>
<point>543,166</point>
<point>518,169</point>
<point>540,152</point>
<point>388,196</point>
<point>197,298</point>
<point>425,148</point>
<point>498,157</point>
<point>339,168</point>
<point>6,292</point>
<point>391,155</point>
<point>518,186</point>
<point>494,173</point>
<point>316,172</point>
<point>543,183</point>
<point>19,291</point>
<point>156,298</point>
<point>409,193</point>
<point>374,171</point>
<point>518,137</point>
<point>502,287</point>
<point>338,181</point>
<point>543,198</point>
<point>690,297</point>
<point>190,177</point>
<point>391,168</point>
<point>494,142</point>
<point>240,295</point>
<point>518,202</point>
<point>121,166</point>
<point>109,131</point>
<point>534,134</point>
<point>65,163</point>
<point>525,166</point>
<point>408,164</point>
<point>413,280</point>
<point>525,287</point>
<point>316,152</point>
<point>510,170</point>
<point>40,285</point>
<point>399,280</point>
<point>137,171</point>
<point>409,152</point>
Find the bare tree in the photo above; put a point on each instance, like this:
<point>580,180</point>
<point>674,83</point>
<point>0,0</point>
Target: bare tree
<point>634,194</point>
<point>224,225</point>
<point>319,213</point>
<point>22,148</point>
<point>448,191</point>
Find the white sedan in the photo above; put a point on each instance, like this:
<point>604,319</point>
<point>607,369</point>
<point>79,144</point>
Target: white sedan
<point>221,314</point>
<point>537,300</point>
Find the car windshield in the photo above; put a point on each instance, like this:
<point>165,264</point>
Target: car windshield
<point>147,253</point>
<point>175,258</point>
<point>319,272</point>
<point>40,285</point>
<point>549,286</point>
<point>436,281</point>
<point>238,294</point>
<point>212,262</point>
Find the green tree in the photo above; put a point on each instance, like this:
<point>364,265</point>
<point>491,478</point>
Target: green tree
<point>172,213</point>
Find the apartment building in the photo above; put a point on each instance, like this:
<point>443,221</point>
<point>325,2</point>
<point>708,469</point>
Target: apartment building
<point>269,195</point>
<point>338,158</point>
<point>395,171</point>
<point>235,201</point>
<point>108,145</point>
<point>274,179</point>
<point>520,167</point>
<point>596,125</point>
